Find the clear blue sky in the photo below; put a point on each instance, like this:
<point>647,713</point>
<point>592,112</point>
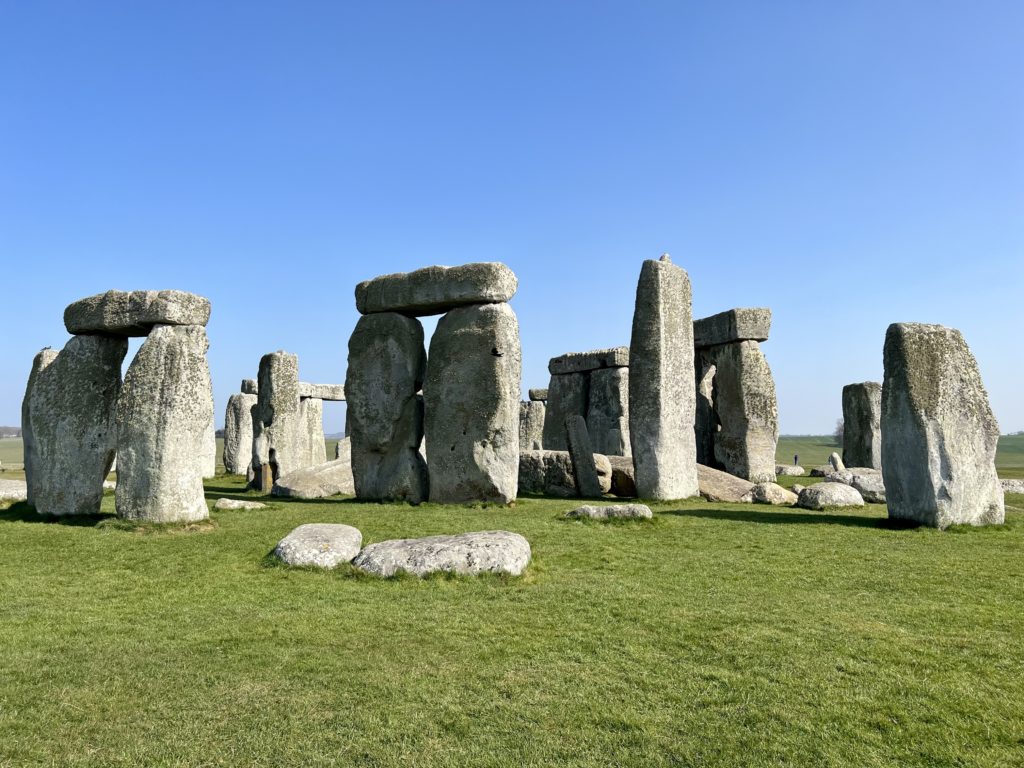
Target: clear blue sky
<point>847,164</point>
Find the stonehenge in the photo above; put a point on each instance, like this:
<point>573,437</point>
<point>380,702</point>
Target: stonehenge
<point>582,455</point>
<point>594,385</point>
<point>238,433</point>
<point>531,425</point>
<point>862,425</point>
<point>939,434</point>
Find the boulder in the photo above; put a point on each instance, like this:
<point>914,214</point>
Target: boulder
<point>539,394</point>
<point>135,313</point>
<point>789,470</point>
<point>716,485</point>
<point>733,325</point>
<point>547,472</point>
<point>581,362</point>
<point>434,290</point>
<point>619,511</point>
<point>582,454</point>
<point>280,431</point>
<point>29,451</point>
<point>772,493</point>
<point>939,435</point>
<point>163,413</point>
<point>705,424</point>
<point>531,425</point>
<point>13,490</point>
<point>608,411</point>
<point>386,366</point>
<point>71,425</point>
<point>623,483</point>
<point>827,495</point>
<point>330,392</point>
<point>567,396</point>
<point>661,384</point>
<point>238,504</point>
<point>870,487</point>
<point>862,424</point>
<point>319,545</point>
<point>1012,486</point>
<point>471,395</point>
<point>466,553</point>
<point>836,462</point>
<point>238,433</point>
<point>327,479</point>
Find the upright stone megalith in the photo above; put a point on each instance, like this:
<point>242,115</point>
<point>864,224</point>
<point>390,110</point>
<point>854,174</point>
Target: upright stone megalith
<point>938,432</point>
<point>31,452</point>
<point>386,365</point>
<point>608,411</point>
<point>280,438</point>
<point>313,414</point>
<point>661,384</point>
<point>238,433</point>
<point>72,432</point>
<point>582,453</point>
<point>862,425</point>
<point>531,425</point>
<point>163,413</point>
<point>568,394</point>
<point>471,396</point>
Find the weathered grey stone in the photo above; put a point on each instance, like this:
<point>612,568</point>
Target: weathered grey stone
<point>135,313</point>
<point>836,462</point>
<point>826,495</point>
<point>319,545</point>
<point>238,504</point>
<point>716,485</point>
<point>547,472</point>
<point>567,396</point>
<point>789,470</point>
<point>163,412</point>
<point>938,432</point>
<point>343,449</point>
<point>329,392</point>
<point>13,490</point>
<point>466,553</point>
<point>581,362</point>
<point>280,431</point>
<point>862,424</point>
<point>433,290</point>
<point>327,479</point>
<point>471,397</point>
<point>72,431</point>
<point>603,467</point>
<point>1012,486</point>
<point>623,483</point>
<point>539,394</point>
<point>661,384</point>
<point>249,387</point>
<point>619,511</point>
<point>312,410</point>
<point>705,425</point>
<point>582,454</point>
<point>208,459</point>
<point>531,425</point>
<point>386,365</point>
<point>238,433</point>
<point>608,411</point>
<point>772,493</point>
<point>797,488</point>
<point>822,471</point>
<point>29,449</point>
<point>870,487</point>
<point>745,324</point>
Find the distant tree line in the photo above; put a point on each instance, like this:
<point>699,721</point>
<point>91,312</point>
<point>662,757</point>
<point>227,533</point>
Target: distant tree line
<point>10,432</point>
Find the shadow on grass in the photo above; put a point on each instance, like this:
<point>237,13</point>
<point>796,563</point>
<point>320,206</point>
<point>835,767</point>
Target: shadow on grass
<point>794,518</point>
<point>23,512</point>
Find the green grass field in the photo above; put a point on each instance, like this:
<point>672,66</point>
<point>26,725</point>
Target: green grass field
<point>717,635</point>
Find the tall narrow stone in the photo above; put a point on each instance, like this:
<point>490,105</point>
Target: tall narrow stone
<point>608,411</point>
<point>862,425</point>
<point>209,456</point>
<point>238,433</point>
<point>582,452</point>
<point>162,416</point>
<point>661,384</point>
<point>280,438</point>
<point>531,425</point>
<point>706,422</point>
<point>72,431</point>
<point>31,452</point>
<point>471,394</point>
<point>938,432</point>
<point>568,394</point>
<point>386,365</point>
<point>313,413</point>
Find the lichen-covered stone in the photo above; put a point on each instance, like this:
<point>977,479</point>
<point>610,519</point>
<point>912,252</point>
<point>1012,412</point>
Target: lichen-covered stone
<point>434,290</point>
<point>705,424</point>
<point>623,483</point>
<point>612,511</point>
<point>862,424</point>
<point>319,545</point>
<point>547,472</point>
<point>716,485</point>
<point>317,482</point>
<point>531,425</point>
<point>468,554</point>
<point>733,325</point>
<point>471,396</point>
<point>581,362</point>
<point>29,449</point>
<point>608,411</point>
<point>208,458</point>
<point>939,435</point>
<point>827,495</point>
<point>238,433</point>
<point>582,454</point>
<point>280,430</point>
<point>568,395</point>
<point>836,462</point>
<point>135,313</point>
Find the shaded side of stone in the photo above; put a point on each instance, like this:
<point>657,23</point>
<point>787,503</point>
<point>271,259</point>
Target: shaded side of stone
<point>568,395</point>
<point>862,425</point>
<point>582,453</point>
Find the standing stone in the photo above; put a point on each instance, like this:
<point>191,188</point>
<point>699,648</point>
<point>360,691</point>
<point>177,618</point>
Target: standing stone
<point>162,416</point>
<point>471,395</point>
<point>862,425</point>
<point>705,421</point>
<point>386,364</point>
<point>209,457</point>
<point>938,432</point>
<point>608,411</point>
<point>280,432</point>
<point>31,453</point>
<point>661,384</point>
<point>582,453</point>
<point>238,433</point>
<point>568,394</point>
<point>72,432</point>
<point>746,411</point>
<point>531,425</point>
<point>312,409</point>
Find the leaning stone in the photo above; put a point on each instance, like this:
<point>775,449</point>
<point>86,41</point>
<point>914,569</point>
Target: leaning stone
<point>623,483</point>
<point>327,479</point>
<point>162,416</point>
<point>939,435</point>
<point>386,365</point>
<point>836,462</point>
<point>329,392</point>
<point>567,396</point>
<point>434,290</point>
<point>238,504</point>
<point>249,387</point>
<point>466,553</point>
<point>135,313</point>
<point>603,467</point>
<point>608,411</point>
<point>1012,486</point>
<point>280,428</point>
<point>620,511</point>
<point>238,433</point>
<point>845,477</point>
<point>661,384</point>
<point>471,397</point>
<point>582,454</point>
<point>531,425</point>
<point>581,362</point>
<point>72,428</point>
<point>29,450</point>
<point>716,485</point>
<point>733,325</point>
<point>862,424</point>
<point>772,493</point>
<point>788,470</point>
<point>539,394</point>
<point>827,495</point>
<point>319,545</point>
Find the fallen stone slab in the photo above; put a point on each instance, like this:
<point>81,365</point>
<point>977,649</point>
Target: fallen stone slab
<point>827,495</point>
<point>239,504</point>
<point>465,553</point>
<point>328,479</point>
<point>434,290</point>
<point>580,362</point>
<point>716,485</point>
<point>134,313</point>
<point>744,324</point>
<point>250,387</point>
<point>329,392</point>
<point>1012,486</point>
<point>539,394</point>
<point>13,490</point>
<point>322,545</point>
<point>788,470</point>
<point>772,493</point>
<point>620,511</point>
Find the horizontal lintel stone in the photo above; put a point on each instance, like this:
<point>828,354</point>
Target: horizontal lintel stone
<point>744,324</point>
<point>578,362</point>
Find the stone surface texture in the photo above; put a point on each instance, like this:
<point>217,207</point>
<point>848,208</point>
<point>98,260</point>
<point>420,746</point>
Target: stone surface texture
<point>209,456</point>
<point>319,545</point>
<point>1012,486</point>
<point>716,485</point>
<point>238,433</point>
<point>733,325</point>
<point>827,495</point>
<point>613,511</point>
<point>789,470</point>
<point>539,393</point>
<point>29,449</point>
<point>280,431</point>
<point>434,290</point>
<point>135,313</point>
<point>466,553</point>
<point>582,454</point>
<point>238,504</point>
<point>567,396</point>
<point>772,493</point>
<point>623,479</point>
<point>836,462</point>
<point>327,479</point>
<point>862,424</point>
<point>608,411</point>
<point>581,362</point>
<point>531,425</point>
<point>330,392</point>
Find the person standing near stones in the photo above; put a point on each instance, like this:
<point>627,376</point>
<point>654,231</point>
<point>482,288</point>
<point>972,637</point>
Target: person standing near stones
<point>796,459</point>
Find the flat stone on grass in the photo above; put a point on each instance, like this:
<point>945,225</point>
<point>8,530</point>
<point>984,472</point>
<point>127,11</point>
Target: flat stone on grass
<point>613,511</point>
<point>238,504</point>
<point>322,545</point>
<point>828,495</point>
<point>465,553</point>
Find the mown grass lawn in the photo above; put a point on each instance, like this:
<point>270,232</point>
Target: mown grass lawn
<point>716,635</point>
